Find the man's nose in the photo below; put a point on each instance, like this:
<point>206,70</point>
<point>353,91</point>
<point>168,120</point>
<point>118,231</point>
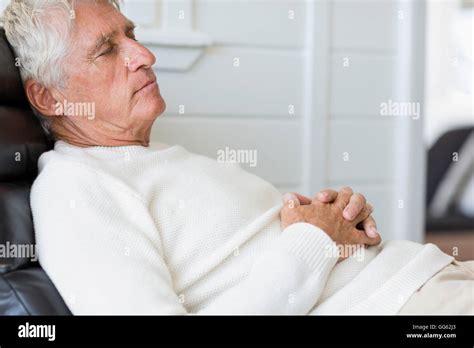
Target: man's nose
<point>138,56</point>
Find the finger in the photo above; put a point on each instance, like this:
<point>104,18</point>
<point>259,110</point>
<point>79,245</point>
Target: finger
<point>303,199</point>
<point>343,197</point>
<point>370,227</point>
<point>373,241</point>
<point>361,238</point>
<point>355,206</point>
<point>290,200</point>
<point>364,213</point>
<point>326,196</point>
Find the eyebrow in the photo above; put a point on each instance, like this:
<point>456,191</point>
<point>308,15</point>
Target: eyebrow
<point>105,38</point>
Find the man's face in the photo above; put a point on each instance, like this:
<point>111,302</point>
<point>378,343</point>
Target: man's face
<point>105,65</point>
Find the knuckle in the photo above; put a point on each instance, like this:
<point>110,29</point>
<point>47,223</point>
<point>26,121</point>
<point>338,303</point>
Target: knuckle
<point>367,212</point>
<point>371,222</point>
<point>338,209</point>
<point>369,225</point>
<point>362,216</point>
<point>357,206</point>
<point>346,189</point>
<point>359,198</point>
<point>376,241</point>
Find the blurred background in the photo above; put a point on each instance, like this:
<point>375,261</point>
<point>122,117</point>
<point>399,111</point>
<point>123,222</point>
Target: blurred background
<point>448,126</point>
<point>374,94</point>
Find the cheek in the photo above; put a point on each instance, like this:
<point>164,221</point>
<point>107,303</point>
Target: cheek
<point>108,94</point>
<point>78,89</point>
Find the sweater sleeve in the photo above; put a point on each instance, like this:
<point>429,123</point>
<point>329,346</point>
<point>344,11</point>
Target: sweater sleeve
<point>100,247</point>
<point>287,278</point>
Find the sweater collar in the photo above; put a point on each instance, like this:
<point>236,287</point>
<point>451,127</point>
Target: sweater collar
<point>112,151</point>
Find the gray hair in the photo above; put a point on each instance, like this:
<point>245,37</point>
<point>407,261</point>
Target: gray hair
<point>38,31</point>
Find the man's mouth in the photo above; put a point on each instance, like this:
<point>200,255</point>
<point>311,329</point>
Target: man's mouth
<point>148,85</point>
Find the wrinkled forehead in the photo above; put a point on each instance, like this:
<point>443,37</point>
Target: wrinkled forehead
<point>95,18</point>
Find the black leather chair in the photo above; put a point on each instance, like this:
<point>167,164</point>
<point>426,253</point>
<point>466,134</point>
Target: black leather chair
<point>439,162</point>
<point>25,289</point>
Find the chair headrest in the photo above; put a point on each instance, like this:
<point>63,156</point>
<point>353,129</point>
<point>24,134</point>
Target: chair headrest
<point>22,138</point>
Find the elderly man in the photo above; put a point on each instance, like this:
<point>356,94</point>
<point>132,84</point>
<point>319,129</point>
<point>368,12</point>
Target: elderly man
<point>128,227</point>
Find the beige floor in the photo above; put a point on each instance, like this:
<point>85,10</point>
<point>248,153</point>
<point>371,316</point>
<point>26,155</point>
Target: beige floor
<point>451,242</point>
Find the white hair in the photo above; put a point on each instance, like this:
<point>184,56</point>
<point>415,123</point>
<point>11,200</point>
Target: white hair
<point>38,31</point>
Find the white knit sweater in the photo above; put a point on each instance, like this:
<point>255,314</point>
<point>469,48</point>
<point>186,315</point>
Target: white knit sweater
<point>159,230</point>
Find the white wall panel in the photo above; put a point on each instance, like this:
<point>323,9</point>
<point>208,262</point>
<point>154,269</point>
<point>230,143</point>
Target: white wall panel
<point>266,82</point>
<point>365,24</point>
<point>254,22</point>
<point>142,12</point>
<point>361,152</point>
<point>359,88</point>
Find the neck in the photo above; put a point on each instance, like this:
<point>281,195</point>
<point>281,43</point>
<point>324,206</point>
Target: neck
<point>87,135</point>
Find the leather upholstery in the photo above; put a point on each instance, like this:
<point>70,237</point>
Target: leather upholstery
<point>25,289</point>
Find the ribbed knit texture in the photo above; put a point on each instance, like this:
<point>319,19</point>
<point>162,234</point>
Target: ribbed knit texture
<point>160,230</point>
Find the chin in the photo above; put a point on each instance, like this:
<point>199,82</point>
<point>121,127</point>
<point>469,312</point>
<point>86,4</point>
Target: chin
<point>151,110</point>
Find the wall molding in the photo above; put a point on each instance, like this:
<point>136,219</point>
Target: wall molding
<point>176,43</point>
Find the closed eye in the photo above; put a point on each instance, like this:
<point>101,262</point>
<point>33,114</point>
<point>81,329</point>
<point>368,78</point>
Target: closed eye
<point>131,35</point>
<point>108,51</point>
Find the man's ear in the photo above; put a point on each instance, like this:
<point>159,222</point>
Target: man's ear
<point>41,98</point>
